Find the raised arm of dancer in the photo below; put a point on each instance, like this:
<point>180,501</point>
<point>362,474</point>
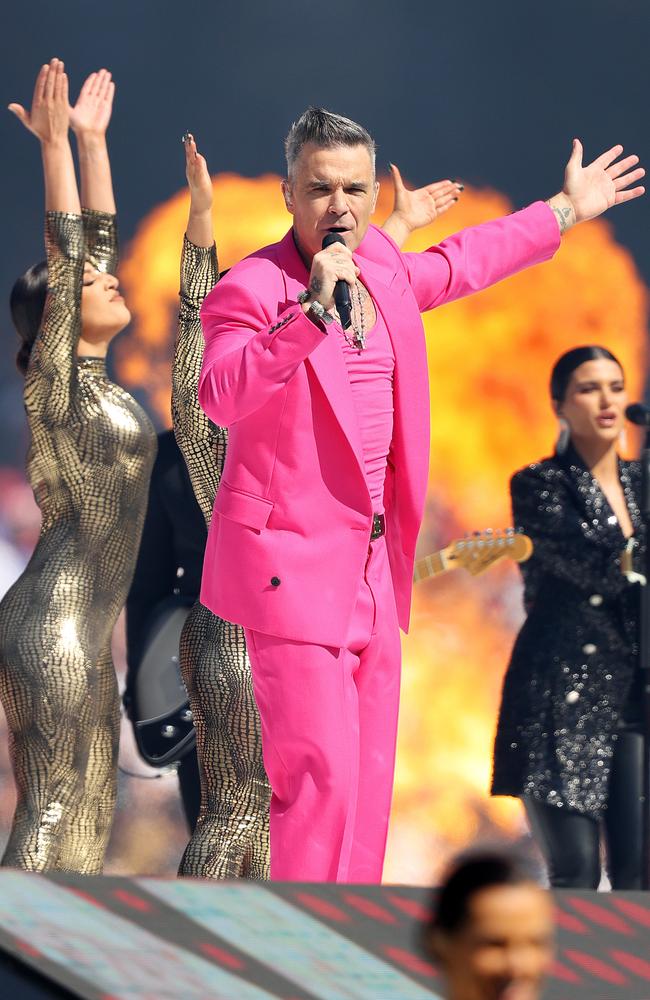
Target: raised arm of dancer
<point>202,443</point>
<point>52,366</point>
<point>48,120</point>
<point>414,209</point>
<point>89,120</point>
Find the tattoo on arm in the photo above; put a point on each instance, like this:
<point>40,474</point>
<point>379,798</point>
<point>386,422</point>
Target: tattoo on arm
<point>315,285</point>
<point>565,216</point>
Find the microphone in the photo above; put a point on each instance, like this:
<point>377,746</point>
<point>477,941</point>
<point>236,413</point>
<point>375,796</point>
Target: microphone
<point>638,413</point>
<point>341,289</point>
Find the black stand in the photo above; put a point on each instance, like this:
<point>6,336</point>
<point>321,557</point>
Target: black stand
<point>644,659</point>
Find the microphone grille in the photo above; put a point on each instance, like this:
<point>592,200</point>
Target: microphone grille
<point>330,238</point>
<point>637,413</point>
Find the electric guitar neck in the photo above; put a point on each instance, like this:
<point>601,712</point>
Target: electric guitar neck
<point>475,553</point>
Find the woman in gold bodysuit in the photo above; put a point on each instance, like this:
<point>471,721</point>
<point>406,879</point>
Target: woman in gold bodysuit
<point>89,461</point>
<point>231,837</point>
<point>232,834</point>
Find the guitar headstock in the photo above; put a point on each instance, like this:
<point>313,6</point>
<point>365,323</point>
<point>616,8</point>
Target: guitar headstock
<point>480,550</point>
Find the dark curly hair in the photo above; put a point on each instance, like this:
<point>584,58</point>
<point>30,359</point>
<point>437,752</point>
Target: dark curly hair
<point>27,303</point>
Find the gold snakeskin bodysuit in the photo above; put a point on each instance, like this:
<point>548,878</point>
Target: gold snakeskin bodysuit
<point>91,452</point>
<point>232,834</point>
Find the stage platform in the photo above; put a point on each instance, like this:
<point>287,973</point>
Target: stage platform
<point>106,938</point>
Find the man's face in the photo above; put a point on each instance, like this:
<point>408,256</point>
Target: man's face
<point>505,947</point>
<point>331,190</point>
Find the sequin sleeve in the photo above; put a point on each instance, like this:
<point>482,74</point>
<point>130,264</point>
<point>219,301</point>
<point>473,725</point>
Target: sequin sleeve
<point>100,233</point>
<point>51,375</point>
<point>202,443</point>
<point>544,509</point>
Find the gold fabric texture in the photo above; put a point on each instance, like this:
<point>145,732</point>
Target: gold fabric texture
<point>91,452</point>
<point>232,834</point>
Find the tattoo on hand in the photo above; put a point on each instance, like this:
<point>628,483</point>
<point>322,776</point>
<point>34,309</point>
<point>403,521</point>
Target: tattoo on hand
<point>315,285</point>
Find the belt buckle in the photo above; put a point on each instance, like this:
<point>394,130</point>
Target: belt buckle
<point>378,527</point>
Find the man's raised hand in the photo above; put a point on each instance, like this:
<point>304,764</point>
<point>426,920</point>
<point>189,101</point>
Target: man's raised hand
<point>590,190</point>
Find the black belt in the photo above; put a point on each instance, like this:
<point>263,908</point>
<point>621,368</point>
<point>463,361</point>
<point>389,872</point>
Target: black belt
<point>378,526</point>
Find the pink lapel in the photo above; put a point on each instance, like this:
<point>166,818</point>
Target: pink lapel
<point>392,297</point>
<point>326,360</point>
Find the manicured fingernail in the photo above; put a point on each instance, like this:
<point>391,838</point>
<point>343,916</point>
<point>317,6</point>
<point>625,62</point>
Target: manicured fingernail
<point>186,136</point>
<point>461,187</point>
<point>455,199</point>
<point>390,165</point>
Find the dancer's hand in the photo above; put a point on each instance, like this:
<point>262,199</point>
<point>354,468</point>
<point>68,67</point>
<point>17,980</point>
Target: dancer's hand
<point>589,191</point>
<point>199,224</point>
<point>48,117</point>
<point>421,207</point>
<point>198,177</point>
<point>92,112</point>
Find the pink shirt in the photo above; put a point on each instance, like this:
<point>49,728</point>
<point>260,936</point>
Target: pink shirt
<point>371,379</point>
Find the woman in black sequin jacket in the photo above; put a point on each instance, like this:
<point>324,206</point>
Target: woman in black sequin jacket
<point>569,740</point>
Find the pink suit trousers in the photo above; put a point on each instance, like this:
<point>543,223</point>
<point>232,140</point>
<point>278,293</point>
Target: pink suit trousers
<point>329,726</point>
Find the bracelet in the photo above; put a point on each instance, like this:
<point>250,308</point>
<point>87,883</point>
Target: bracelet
<point>318,310</point>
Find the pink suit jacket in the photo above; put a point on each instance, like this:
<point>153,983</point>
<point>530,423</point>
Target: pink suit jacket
<point>292,517</point>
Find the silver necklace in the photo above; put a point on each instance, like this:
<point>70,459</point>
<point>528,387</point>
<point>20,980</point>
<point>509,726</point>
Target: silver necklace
<point>358,341</point>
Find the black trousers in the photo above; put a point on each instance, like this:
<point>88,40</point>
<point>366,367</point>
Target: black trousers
<point>570,841</point>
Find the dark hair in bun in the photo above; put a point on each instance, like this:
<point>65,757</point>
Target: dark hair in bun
<point>27,303</point>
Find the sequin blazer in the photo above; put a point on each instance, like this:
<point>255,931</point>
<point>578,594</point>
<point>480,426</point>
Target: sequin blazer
<point>574,661</point>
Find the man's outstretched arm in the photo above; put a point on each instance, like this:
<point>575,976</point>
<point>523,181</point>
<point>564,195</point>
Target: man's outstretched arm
<point>482,255</point>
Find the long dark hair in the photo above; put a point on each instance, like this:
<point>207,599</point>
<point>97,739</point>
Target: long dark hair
<point>565,366</point>
<point>27,303</point>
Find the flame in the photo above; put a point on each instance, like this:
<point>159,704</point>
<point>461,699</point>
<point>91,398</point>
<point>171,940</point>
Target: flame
<point>490,358</point>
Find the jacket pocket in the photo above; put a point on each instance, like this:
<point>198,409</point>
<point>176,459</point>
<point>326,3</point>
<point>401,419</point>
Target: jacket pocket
<point>245,508</point>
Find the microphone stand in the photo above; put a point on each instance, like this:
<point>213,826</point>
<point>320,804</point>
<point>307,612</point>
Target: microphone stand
<point>644,662</point>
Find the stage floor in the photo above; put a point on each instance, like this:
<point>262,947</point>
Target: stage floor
<point>106,938</point>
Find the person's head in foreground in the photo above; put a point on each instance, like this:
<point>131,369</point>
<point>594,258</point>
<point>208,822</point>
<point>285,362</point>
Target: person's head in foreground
<point>491,929</point>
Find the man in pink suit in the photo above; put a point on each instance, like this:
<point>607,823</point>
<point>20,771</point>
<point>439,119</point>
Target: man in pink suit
<point>312,540</point>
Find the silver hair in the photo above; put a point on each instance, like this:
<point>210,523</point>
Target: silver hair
<point>326,130</point>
